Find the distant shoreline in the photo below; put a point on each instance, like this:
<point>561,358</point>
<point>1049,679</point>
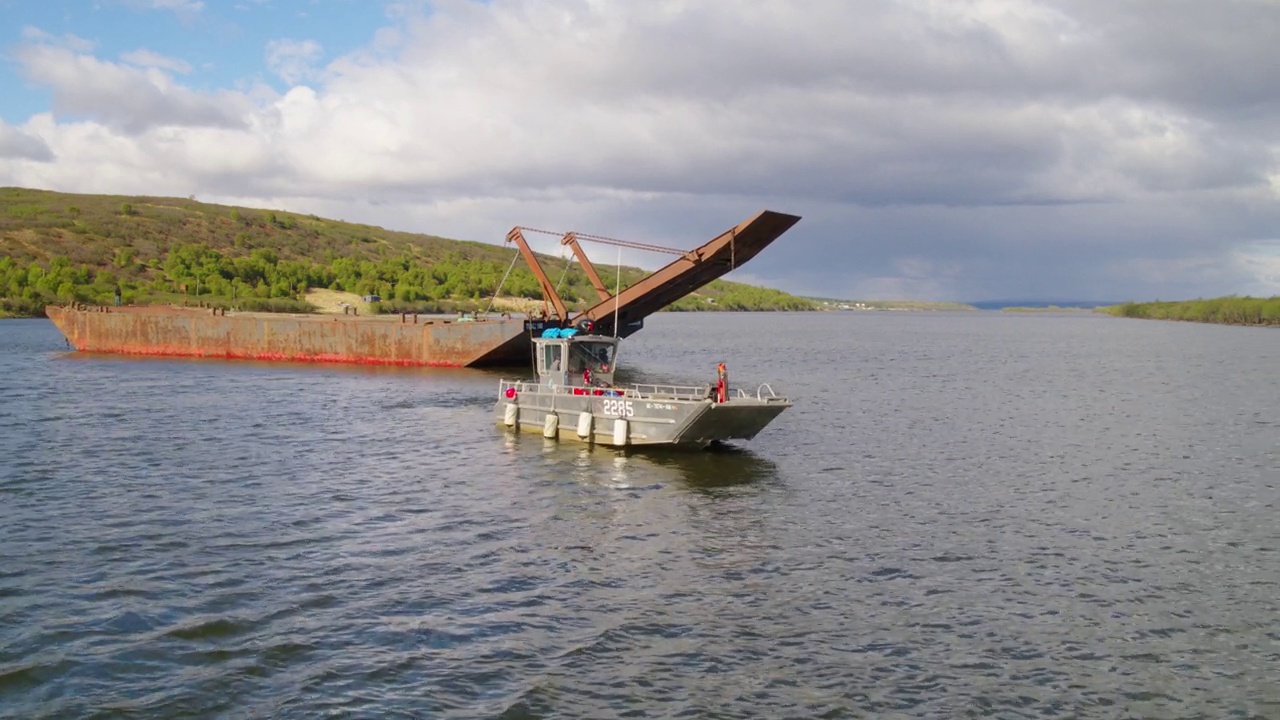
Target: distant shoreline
<point>1231,310</point>
<point>1049,309</point>
<point>212,301</point>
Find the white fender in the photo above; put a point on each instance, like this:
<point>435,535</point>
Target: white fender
<point>551,426</point>
<point>619,432</point>
<point>584,425</point>
<point>511,414</point>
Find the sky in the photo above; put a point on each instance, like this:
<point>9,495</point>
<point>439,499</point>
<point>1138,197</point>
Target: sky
<point>1085,150</point>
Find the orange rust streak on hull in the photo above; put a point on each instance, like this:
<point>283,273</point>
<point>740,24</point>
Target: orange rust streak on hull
<point>186,332</point>
<point>278,357</point>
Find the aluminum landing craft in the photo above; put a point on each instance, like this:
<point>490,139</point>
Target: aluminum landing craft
<point>488,340</point>
<point>574,398</point>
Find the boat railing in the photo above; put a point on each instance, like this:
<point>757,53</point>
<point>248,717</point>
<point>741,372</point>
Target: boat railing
<point>641,391</point>
<point>519,386</point>
<point>764,393</point>
<point>771,397</point>
<point>673,392</point>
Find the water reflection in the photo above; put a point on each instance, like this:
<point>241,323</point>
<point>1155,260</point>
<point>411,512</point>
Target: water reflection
<point>709,471</point>
<point>717,467</point>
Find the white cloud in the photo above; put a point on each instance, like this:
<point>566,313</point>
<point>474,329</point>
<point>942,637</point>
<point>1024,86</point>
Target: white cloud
<point>69,41</point>
<point>127,98</point>
<point>148,59</point>
<point>959,149</point>
<point>1260,263</point>
<point>179,6</point>
<point>293,60</point>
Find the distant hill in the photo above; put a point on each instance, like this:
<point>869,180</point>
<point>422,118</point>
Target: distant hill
<point>1040,304</point>
<point>58,247</point>
<point>835,304</point>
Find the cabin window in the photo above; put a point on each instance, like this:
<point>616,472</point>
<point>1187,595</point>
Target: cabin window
<point>551,358</point>
<point>598,353</point>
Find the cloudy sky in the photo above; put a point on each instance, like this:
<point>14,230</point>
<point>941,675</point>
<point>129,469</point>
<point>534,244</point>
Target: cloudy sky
<point>936,149</point>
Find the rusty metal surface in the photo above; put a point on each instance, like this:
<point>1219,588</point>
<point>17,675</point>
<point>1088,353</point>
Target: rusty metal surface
<point>691,271</point>
<point>531,258</point>
<point>571,239</point>
<point>377,340</point>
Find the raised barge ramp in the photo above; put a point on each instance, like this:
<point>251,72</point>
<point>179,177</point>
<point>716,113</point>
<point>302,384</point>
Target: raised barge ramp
<point>414,340</point>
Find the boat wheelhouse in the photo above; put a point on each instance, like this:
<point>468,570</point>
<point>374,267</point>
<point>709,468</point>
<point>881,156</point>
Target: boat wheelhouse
<point>574,397</point>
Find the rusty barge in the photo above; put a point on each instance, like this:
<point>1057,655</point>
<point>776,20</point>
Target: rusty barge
<point>493,341</point>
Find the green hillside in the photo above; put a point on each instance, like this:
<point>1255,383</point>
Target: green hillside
<point>1229,310</point>
<point>60,247</point>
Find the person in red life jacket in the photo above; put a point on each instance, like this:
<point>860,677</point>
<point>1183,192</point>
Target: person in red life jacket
<point>722,383</point>
<point>586,376</point>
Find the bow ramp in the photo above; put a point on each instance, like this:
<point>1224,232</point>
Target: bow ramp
<point>692,270</point>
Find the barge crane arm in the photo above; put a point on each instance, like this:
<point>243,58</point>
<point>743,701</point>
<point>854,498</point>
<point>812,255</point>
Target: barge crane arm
<point>690,271</point>
<point>623,313</point>
<point>571,239</point>
<point>548,290</point>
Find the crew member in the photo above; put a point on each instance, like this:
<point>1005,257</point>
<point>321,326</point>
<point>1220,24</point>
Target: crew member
<point>722,383</point>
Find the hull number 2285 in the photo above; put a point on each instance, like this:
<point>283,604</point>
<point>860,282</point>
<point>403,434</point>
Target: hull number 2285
<point>618,408</point>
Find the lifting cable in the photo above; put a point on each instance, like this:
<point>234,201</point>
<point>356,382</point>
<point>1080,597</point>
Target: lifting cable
<point>590,238</point>
<point>612,241</point>
<point>503,281</point>
<point>567,265</point>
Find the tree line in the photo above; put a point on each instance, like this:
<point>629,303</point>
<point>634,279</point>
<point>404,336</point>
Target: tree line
<point>1229,310</point>
<point>261,280</point>
<point>199,272</point>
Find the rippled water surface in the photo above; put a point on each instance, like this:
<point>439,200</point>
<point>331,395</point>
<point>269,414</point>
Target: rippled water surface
<point>963,515</point>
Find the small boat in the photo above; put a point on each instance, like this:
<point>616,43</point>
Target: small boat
<point>574,397</point>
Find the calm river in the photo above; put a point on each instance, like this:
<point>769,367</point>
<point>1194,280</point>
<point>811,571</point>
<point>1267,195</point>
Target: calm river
<point>964,515</point>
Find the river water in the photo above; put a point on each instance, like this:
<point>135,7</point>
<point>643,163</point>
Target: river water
<point>964,515</point>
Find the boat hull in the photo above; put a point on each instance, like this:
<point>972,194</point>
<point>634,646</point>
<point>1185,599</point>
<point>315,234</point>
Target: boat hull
<point>647,421</point>
<point>368,340</point>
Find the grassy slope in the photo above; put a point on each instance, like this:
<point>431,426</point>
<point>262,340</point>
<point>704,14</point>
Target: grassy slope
<point>129,234</point>
<point>1229,310</point>
<point>38,225</point>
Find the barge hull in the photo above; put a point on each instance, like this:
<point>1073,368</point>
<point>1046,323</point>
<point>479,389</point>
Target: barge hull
<point>190,332</point>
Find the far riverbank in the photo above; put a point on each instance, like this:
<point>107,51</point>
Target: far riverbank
<point>1224,310</point>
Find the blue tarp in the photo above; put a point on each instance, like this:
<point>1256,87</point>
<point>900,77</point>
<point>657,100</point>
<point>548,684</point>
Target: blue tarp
<point>559,333</point>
